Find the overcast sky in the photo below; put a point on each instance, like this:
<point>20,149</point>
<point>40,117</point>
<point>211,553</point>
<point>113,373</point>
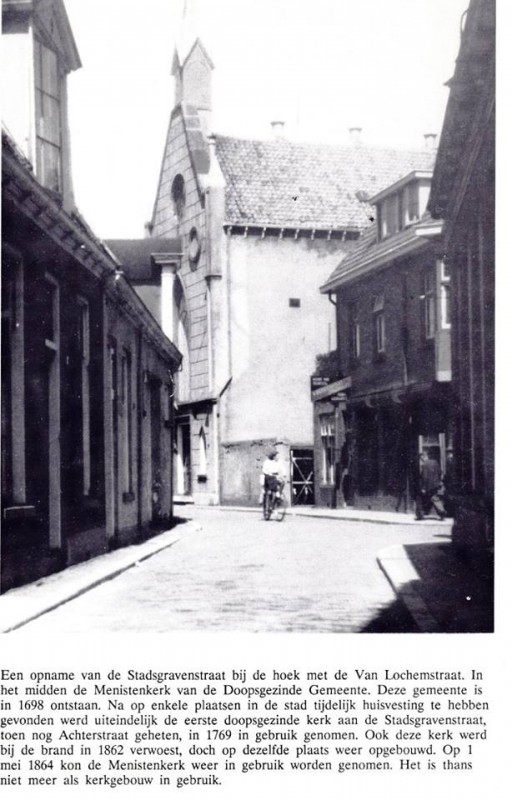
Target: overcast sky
<point>321,65</point>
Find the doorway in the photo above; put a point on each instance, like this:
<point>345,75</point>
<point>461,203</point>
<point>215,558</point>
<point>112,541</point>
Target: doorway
<point>302,476</point>
<point>183,465</point>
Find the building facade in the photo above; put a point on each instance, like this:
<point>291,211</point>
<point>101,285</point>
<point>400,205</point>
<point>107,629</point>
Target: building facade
<point>390,398</point>
<point>463,193</point>
<point>263,224</point>
<point>87,374</point>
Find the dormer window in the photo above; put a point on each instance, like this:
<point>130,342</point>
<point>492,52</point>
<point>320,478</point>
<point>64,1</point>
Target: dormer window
<point>48,117</point>
<point>402,204</point>
<point>410,204</point>
<point>389,219</point>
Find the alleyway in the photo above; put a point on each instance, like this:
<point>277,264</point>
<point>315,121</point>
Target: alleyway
<point>238,573</point>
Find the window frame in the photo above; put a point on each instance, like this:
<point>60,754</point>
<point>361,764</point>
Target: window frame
<point>445,307</point>
<point>49,128</point>
<point>327,429</point>
<point>85,351</point>
<point>429,305</point>
<point>354,332</point>
<point>379,325</point>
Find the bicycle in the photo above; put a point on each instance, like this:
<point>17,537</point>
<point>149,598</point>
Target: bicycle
<point>274,505</point>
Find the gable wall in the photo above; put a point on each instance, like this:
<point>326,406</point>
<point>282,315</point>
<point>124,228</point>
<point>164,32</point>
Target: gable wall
<point>177,161</point>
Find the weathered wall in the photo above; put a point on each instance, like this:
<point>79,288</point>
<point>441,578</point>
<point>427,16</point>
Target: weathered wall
<point>274,345</point>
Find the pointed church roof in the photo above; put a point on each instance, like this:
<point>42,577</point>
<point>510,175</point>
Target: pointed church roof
<point>191,34</point>
<point>286,184</point>
<point>178,62</point>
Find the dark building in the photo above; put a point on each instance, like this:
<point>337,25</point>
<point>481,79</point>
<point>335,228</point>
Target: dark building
<point>387,392</point>
<point>463,194</point>
<point>87,373</point>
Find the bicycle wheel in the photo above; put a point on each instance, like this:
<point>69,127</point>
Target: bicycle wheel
<point>280,509</point>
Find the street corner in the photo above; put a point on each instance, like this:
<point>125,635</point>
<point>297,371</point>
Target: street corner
<point>405,580</point>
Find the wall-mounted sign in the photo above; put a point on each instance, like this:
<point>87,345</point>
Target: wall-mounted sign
<point>319,381</point>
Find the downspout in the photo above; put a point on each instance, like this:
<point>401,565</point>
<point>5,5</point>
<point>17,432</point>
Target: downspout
<point>140,412</point>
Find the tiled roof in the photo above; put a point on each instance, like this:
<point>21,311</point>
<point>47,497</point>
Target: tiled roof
<point>368,250</point>
<point>286,184</point>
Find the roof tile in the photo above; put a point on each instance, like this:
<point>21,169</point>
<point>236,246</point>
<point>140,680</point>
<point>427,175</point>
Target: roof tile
<point>288,184</point>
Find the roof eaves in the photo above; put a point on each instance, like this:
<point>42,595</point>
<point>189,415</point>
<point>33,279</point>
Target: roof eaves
<point>372,260</point>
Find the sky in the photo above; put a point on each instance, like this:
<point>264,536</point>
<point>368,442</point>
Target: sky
<point>322,66</point>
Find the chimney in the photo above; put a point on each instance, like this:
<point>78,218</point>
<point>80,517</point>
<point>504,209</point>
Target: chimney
<point>277,129</point>
<point>430,141</point>
<point>355,136</point>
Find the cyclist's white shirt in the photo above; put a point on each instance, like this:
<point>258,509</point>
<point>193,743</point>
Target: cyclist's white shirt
<point>272,467</point>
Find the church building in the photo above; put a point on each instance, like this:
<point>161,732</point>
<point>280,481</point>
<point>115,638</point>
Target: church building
<point>263,224</point>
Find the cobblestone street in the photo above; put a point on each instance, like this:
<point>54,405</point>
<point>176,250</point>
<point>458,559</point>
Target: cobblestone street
<point>239,573</point>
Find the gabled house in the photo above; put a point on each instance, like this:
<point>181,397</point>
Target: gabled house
<point>463,193</point>
<point>263,225</point>
<point>390,397</point>
<point>87,373</point>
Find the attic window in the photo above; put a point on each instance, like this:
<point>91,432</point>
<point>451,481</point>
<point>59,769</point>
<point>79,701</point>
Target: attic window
<point>178,195</point>
<point>48,117</point>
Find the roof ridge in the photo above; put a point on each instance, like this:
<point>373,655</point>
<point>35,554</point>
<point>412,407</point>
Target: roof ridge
<point>335,146</point>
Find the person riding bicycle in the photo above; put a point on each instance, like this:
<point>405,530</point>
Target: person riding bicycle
<point>272,475</point>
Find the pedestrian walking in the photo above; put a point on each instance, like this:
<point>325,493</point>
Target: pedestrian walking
<point>449,483</point>
<point>429,482</point>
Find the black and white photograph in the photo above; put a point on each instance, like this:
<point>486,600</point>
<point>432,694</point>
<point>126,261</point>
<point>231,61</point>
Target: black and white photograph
<point>248,387</point>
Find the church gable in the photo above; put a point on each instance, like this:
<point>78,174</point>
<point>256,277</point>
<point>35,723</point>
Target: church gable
<point>186,160</point>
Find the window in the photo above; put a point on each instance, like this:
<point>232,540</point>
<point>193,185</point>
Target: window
<point>389,219</point>
<point>410,204</point>
<point>379,324</point>
<point>446,312</point>
<point>327,436</point>
<point>202,455</point>
<point>178,195</point>
<point>429,305</point>
<point>126,424</point>
<point>355,332</point>
<point>84,345</point>
<point>48,117</point>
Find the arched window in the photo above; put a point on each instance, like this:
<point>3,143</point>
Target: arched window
<point>178,195</point>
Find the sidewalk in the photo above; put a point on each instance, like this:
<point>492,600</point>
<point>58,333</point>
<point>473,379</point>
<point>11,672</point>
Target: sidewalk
<point>353,514</point>
<point>441,590</point>
<point>26,603</point>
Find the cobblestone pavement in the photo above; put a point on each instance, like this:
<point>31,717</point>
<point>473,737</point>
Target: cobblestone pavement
<point>239,573</point>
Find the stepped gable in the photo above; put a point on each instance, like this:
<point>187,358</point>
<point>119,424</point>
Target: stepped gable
<point>308,186</point>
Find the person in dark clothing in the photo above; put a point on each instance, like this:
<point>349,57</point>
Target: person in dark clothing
<point>428,488</point>
<point>449,483</point>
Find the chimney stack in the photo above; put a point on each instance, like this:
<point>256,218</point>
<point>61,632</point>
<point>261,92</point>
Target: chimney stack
<point>277,129</point>
<point>430,141</point>
<point>355,135</point>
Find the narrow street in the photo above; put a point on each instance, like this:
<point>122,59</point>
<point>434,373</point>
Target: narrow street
<point>239,573</point>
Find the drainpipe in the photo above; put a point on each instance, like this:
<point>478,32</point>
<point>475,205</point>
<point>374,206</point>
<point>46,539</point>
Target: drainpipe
<point>140,411</point>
